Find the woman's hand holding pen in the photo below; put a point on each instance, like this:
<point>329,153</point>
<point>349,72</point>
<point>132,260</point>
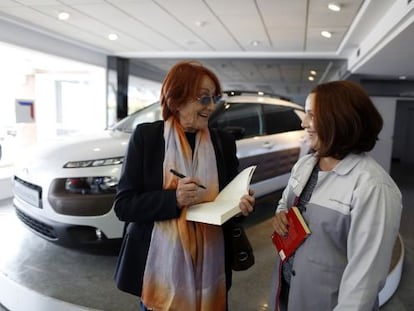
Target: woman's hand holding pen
<point>187,191</point>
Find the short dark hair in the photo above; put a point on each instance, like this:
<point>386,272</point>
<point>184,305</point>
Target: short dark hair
<point>346,119</point>
<point>183,82</point>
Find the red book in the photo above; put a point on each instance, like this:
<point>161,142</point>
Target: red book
<point>298,231</point>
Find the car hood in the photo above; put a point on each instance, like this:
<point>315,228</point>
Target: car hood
<point>62,149</point>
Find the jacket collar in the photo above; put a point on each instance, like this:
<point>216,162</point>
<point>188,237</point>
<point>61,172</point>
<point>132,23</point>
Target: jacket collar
<point>342,168</point>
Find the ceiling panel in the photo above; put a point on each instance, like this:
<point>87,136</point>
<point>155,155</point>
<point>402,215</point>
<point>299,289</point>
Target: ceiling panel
<point>148,16</point>
<point>268,44</point>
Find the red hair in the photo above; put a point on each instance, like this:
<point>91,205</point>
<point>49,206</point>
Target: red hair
<point>182,83</point>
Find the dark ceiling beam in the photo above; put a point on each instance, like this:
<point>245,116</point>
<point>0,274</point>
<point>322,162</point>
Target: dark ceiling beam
<point>382,87</point>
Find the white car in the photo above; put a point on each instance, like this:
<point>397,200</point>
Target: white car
<point>65,192</point>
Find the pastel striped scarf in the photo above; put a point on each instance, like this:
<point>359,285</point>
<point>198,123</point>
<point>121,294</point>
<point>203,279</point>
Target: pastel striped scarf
<point>185,264</point>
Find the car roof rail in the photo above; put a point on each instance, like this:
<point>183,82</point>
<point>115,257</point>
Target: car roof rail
<point>257,93</point>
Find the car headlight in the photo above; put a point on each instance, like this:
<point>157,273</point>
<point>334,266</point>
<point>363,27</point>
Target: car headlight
<point>94,163</point>
<point>91,185</point>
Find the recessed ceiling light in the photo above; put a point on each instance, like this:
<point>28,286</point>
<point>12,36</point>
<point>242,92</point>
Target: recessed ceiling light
<point>312,72</point>
<point>200,23</point>
<point>311,78</point>
<point>113,36</point>
<point>334,7</point>
<point>255,43</point>
<point>326,34</point>
<point>63,16</point>
<point>402,77</point>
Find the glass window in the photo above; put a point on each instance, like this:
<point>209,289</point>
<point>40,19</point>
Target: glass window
<point>150,113</point>
<point>141,93</point>
<point>241,120</point>
<point>279,119</point>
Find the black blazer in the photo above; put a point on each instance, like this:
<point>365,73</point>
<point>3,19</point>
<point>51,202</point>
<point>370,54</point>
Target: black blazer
<point>141,200</point>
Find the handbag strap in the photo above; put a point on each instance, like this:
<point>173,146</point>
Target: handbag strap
<point>306,193</point>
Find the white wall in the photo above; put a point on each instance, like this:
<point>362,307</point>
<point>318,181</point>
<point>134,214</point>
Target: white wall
<point>382,151</point>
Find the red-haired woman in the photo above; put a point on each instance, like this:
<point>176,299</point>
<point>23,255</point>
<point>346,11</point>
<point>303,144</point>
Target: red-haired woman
<point>169,262</point>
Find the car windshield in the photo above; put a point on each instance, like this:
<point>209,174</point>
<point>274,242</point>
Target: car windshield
<point>150,113</point>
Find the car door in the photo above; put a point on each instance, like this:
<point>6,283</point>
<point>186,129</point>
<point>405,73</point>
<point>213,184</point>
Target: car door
<point>262,140</point>
<point>246,123</point>
<point>284,140</point>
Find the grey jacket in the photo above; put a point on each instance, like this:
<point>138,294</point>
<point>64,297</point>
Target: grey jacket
<point>354,215</point>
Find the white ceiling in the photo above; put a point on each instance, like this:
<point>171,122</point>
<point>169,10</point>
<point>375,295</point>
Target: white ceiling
<point>372,38</point>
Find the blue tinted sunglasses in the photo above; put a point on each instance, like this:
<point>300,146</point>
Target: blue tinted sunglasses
<point>206,100</point>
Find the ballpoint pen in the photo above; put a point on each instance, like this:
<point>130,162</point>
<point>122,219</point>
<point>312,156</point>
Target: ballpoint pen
<point>179,175</point>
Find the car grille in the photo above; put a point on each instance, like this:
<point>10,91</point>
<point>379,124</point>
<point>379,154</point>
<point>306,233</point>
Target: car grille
<point>30,193</point>
<point>39,227</point>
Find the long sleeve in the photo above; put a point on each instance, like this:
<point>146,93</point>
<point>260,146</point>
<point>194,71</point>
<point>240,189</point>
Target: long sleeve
<point>375,220</point>
<point>140,197</point>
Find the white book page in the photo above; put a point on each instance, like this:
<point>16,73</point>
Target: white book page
<point>226,204</point>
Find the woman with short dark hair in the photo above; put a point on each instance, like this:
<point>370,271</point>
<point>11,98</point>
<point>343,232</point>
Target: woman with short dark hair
<point>349,121</point>
<point>351,205</point>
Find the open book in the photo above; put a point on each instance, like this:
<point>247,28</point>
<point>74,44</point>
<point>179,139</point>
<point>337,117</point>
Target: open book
<point>298,231</point>
<point>226,204</point>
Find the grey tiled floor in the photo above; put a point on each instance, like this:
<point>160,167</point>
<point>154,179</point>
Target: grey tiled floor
<point>86,279</point>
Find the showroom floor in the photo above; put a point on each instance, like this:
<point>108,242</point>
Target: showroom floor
<point>38,275</point>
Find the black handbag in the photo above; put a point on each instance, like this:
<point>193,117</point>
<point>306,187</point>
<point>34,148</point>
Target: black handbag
<point>242,251</point>
<point>242,257</point>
